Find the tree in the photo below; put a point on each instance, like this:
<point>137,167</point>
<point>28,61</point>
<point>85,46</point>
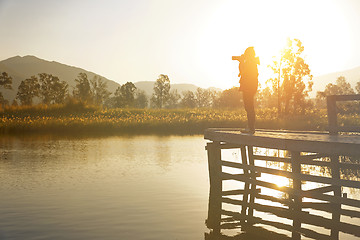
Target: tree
<point>5,81</point>
<point>188,100</point>
<point>231,98</point>
<point>82,89</point>
<point>292,79</point>
<point>125,95</point>
<point>27,90</point>
<point>358,87</point>
<point>341,87</point>
<point>99,90</point>
<point>161,91</point>
<point>52,90</point>
<point>215,97</point>
<point>3,101</point>
<point>173,99</point>
<point>204,98</point>
<point>141,100</point>
<point>266,98</point>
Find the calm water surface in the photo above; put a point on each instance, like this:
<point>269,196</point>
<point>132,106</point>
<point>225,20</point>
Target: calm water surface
<point>105,188</point>
<point>144,187</point>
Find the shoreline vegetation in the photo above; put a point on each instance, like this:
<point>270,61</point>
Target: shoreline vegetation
<point>86,120</point>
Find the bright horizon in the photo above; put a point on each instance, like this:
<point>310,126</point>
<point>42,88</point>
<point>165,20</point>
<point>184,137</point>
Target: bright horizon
<point>190,41</point>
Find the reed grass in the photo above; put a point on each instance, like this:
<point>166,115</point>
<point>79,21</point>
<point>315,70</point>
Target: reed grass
<point>77,119</point>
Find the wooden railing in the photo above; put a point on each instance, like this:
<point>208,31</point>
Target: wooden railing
<point>332,113</point>
<point>296,213</point>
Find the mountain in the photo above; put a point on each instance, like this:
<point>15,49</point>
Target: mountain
<point>352,76</point>
<point>20,68</point>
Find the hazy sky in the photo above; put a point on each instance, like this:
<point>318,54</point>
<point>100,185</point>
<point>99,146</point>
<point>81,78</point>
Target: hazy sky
<point>191,41</point>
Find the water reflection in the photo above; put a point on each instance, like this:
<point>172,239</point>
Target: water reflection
<point>103,188</point>
<point>273,211</point>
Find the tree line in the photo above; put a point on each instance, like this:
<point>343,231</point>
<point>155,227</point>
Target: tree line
<point>287,90</point>
<point>48,89</point>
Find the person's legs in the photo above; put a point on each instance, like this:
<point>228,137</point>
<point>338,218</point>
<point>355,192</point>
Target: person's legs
<point>250,109</point>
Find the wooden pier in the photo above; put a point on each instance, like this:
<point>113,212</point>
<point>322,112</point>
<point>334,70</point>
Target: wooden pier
<point>319,170</point>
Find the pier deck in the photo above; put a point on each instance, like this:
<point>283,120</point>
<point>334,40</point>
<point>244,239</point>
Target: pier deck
<point>348,144</point>
<point>320,170</point>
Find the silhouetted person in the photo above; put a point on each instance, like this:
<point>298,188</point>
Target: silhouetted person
<point>249,83</point>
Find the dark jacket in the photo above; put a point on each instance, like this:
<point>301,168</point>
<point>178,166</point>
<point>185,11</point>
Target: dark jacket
<point>249,74</point>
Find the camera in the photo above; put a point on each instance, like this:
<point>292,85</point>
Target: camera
<point>239,58</point>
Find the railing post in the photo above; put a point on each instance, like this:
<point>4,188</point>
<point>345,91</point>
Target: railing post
<point>336,207</point>
<point>244,160</point>
<point>253,185</point>
<point>331,111</point>
<point>297,207</point>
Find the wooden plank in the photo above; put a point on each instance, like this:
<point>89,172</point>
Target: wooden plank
<point>308,160</point>
<point>348,128</point>
<point>259,130</point>
<point>315,163</point>
<point>353,166</point>
<point>321,206</point>
<point>327,207</point>
<point>240,191</point>
<point>352,97</point>
<point>321,189</point>
<point>225,176</point>
<point>311,157</point>
<point>271,158</point>
<point>350,213</point>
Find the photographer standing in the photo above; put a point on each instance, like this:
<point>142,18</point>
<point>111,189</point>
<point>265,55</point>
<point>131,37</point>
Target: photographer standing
<point>249,84</point>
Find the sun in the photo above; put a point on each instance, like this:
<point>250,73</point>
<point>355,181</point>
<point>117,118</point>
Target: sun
<point>230,31</point>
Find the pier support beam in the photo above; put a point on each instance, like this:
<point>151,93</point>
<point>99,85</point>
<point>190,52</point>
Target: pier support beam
<point>215,195</point>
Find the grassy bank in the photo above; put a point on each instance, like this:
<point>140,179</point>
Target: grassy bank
<point>87,120</point>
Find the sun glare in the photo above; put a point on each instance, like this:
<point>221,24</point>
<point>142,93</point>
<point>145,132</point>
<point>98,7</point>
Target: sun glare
<point>233,29</point>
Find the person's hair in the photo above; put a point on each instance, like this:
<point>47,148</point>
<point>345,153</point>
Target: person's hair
<point>249,52</point>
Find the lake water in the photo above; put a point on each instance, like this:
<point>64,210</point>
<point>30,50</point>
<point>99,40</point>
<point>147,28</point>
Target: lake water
<point>108,188</point>
<point>141,187</point>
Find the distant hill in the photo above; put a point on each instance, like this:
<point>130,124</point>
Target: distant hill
<point>20,68</point>
<point>352,76</point>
